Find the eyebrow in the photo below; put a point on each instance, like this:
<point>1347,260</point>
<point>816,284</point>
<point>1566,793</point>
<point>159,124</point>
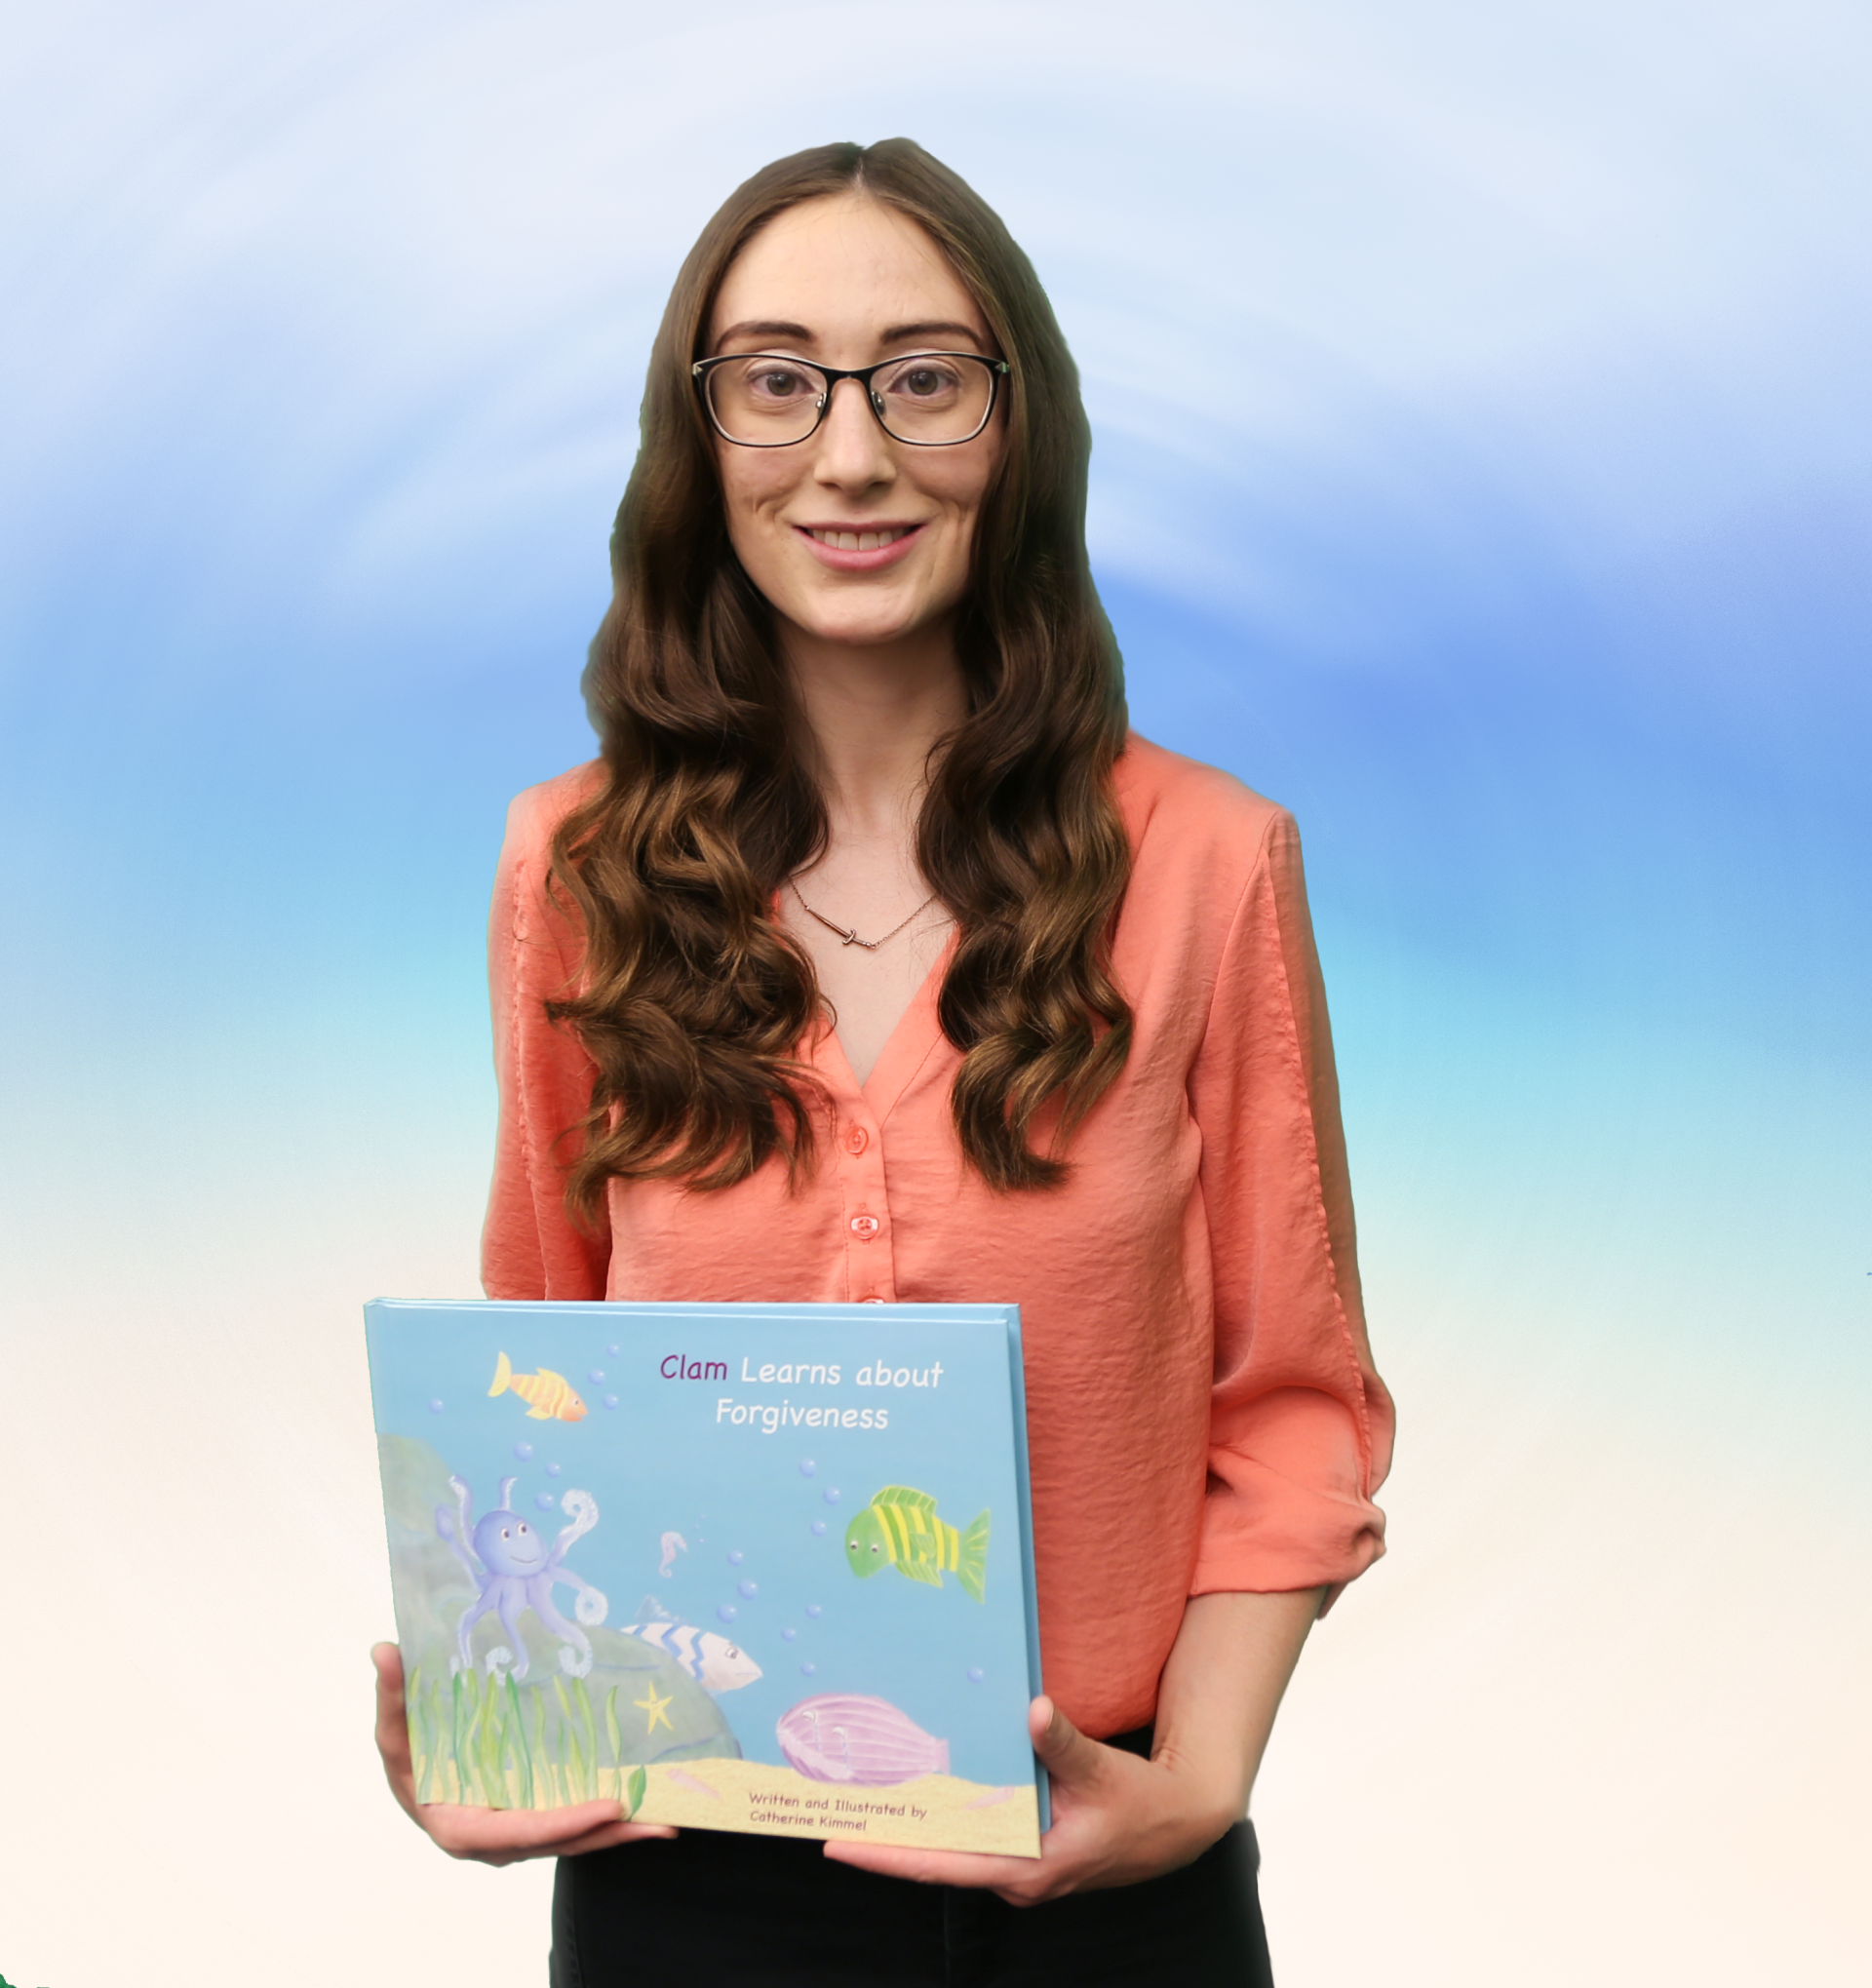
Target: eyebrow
<point>892,335</point>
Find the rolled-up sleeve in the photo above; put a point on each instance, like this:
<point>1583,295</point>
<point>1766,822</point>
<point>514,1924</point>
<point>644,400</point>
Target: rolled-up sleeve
<point>1301,1425</point>
<point>530,1247</point>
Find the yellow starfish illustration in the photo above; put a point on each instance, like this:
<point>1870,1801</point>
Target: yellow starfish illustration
<point>654,1707</point>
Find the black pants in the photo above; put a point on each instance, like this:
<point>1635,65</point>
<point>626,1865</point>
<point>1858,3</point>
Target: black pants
<point>760,1912</point>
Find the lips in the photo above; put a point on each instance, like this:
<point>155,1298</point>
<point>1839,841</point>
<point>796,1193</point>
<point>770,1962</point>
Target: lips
<point>859,550</point>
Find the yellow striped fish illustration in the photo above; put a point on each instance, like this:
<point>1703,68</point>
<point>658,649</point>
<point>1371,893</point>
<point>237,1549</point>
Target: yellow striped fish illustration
<point>551,1394</point>
<point>899,1528</point>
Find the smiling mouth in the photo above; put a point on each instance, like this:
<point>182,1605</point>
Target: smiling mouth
<point>860,541</point>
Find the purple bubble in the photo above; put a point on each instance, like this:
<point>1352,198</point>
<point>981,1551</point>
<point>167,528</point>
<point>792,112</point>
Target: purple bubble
<point>737,1557</point>
<point>808,1669</point>
<point>598,1373</point>
<point>610,1401</point>
<point>807,1467</point>
<point>552,1469</point>
<point>728,1612</point>
<point>975,1676</point>
<point>832,1496</point>
<point>435,1407</point>
<point>747,1590</point>
<point>813,1608</point>
<point>544,1500</point>
<point>524,1452</point>
<point>818,1528</point>
<point>612,1351</point>
<point>789,1635</point>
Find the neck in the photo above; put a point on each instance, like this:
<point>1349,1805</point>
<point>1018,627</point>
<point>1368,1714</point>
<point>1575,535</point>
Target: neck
<point>874,713</point>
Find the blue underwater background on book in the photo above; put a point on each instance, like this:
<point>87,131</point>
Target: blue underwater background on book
<point>650,1556</point>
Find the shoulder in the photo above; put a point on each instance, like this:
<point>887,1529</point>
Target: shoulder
<point>1193,822</point>
<point>535,814</point>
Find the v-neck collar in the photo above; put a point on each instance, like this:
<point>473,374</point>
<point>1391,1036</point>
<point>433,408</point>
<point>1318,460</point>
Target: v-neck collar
<point>909,1047</point>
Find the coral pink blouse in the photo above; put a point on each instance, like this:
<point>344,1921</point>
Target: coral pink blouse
<point>1203,1414</point>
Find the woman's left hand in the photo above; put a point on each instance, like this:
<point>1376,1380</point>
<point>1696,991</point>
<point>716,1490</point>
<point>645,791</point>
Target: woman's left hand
<point>1116,1820</point>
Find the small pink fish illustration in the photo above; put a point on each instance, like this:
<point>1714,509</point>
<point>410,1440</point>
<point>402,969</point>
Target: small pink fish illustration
<point>840,1736</point>
<point>673,1544</point>
<point>992,1800</point>
<point>689,1781</point>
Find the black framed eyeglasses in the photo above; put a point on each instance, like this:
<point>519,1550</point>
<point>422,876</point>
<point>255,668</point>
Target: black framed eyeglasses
<point>771,400</point>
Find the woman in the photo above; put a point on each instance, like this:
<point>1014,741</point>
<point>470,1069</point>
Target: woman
<point>874,960</point>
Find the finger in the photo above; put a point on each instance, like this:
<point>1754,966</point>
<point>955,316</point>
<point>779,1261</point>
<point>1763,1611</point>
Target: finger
<point>477,1846</point>
<point>465,1832</point>
<point>393,1728</point>
<point>614,1833</point>
<point>1066,1753</point>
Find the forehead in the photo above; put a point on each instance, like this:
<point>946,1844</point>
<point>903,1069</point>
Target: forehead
<point>844,269</point>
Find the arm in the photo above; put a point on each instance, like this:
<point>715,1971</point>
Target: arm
<point>1300,1424</point>
<point>1116,1819</point>
<point>529,1248</point>
<point>1224,1683</point>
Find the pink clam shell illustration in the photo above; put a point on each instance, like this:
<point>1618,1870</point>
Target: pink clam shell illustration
<point>839,1736</point>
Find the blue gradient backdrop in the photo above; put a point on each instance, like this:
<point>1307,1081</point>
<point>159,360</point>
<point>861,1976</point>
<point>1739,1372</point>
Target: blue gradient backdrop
<point>1483,469</point>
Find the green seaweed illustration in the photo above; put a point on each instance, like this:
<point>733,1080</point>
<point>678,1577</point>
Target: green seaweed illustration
<point>477,1741</point>
<point>422,1740</point>
<point>588,1728</point>
<point>518,1725</point>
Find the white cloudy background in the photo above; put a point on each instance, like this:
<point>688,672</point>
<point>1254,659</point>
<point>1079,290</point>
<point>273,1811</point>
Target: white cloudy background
<point>1484,469</point>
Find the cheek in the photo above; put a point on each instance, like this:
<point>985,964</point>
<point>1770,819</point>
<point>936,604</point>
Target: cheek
<point>962,487</point>
<point>752,478</point>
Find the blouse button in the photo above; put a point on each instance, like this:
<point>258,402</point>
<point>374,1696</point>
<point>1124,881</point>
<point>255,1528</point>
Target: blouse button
<point>865,1226</point>
<point>857,1138</point>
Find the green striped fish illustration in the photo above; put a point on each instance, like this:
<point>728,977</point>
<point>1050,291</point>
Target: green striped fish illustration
<point>899,1528</point>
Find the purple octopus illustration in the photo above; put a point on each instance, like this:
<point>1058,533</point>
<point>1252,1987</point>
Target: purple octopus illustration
<point>514,1569</point>
<point>837,1737</point>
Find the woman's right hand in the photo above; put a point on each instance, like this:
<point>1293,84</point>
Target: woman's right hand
<point>488,1836</point>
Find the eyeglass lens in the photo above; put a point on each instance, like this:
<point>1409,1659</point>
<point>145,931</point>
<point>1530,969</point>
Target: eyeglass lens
<point>925,397</point>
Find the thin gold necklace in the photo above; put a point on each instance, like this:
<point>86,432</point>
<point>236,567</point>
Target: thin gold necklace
<point>849,936</point>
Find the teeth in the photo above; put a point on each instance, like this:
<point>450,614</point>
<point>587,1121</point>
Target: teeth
<point>859,542</point>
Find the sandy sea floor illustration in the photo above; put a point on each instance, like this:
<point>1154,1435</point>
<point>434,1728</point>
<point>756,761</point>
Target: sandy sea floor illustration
<point>935,1809</point>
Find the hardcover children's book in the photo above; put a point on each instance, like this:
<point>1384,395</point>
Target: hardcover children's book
<point>759,1568</point>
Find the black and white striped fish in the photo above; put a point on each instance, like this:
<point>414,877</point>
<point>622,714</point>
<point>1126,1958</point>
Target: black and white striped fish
<point>715,1663</point>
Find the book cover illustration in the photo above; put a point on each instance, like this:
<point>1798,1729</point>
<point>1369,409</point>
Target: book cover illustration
<point>752,1568</point>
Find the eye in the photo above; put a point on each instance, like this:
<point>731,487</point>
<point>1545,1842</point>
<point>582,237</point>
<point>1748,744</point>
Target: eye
<point>874,1545</point>
<point>923,379</point>
<point>522,1527</point>
<point>732,1650</point>
<point>505,1534</point>
<point>778,383</point>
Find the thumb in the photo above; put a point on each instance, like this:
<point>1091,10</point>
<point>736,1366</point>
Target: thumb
<point>1066,1753</point>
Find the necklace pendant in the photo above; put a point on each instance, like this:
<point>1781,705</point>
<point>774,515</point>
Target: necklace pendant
<point>846,936</point>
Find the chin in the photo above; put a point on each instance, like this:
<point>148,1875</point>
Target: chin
<point>862,631</point>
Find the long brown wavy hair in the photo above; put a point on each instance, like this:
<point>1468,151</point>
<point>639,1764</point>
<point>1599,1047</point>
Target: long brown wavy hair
<point>693,999</point>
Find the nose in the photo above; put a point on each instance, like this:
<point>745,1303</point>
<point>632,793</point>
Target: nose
<point>854,452</point>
